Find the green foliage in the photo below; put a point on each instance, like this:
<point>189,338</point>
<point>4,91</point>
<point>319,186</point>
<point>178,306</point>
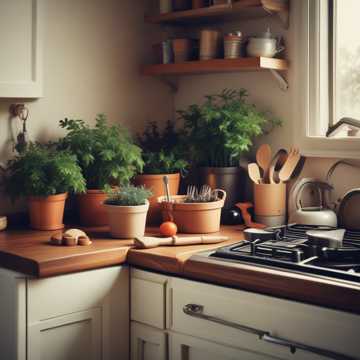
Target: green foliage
<point>162,152</point>
<point>41,170</point>
<point>127,195</point>
<point>220,130</point>
<point>106,154</point>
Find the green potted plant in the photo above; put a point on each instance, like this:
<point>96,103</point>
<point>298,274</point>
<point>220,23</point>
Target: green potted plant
<point>45,176</point>
<point>127,208</point>
<point>220,131</point>
<point>162,157</point>
<point>106,155</point>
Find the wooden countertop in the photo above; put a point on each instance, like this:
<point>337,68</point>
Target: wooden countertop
<point>28,252</point>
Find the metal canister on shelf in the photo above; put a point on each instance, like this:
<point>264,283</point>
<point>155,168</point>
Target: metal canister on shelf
<point>210,40</point>
<point>168,55</point>
<point>232,45</point>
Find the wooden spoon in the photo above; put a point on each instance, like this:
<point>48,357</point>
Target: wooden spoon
<point>254,173</point>
<point>276,164</point>
<point>263,158</point>
<point>290,165</point>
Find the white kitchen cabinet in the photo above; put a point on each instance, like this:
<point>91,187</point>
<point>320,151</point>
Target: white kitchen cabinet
<point>77,316</point>
<point>21,48</point>
<point>184,347</point>
<point>147,343</point>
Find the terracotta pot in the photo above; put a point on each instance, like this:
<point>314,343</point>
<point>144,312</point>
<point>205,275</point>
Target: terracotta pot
<point>270,199</point>
<point>47,213</point>
<point>182,50</point>
<point>91,208</point>
<point>127,222</point>
<point>193,218</point>
<point>156,185</point>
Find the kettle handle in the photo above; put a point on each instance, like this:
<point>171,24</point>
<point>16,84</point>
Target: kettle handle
<point>298,195</point>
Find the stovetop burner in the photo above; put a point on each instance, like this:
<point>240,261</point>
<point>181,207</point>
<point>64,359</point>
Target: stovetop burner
<point>289,248</point>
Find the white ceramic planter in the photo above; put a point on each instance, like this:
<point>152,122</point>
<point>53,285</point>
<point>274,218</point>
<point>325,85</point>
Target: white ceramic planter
<point>127,222</point>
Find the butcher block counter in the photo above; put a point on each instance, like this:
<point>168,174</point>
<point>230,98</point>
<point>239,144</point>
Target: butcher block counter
<point>29,252</point>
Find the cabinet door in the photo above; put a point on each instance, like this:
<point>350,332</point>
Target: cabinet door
<point>71,337</point>
<point>20,38</point>
<point>183,347</point>
<point>147,343</point>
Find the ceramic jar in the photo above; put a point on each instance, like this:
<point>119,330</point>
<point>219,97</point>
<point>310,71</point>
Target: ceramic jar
<point>265,46</point>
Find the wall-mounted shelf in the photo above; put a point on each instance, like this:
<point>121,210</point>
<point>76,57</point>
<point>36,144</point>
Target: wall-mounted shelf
<point>219,66</point>
<point>242,9</point>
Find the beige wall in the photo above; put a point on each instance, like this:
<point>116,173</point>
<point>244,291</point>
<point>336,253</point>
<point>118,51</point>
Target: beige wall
<point>93,50</point>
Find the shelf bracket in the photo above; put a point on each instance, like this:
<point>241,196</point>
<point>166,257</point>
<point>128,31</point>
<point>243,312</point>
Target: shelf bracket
<point>171,83</point>
<point>283,84</point>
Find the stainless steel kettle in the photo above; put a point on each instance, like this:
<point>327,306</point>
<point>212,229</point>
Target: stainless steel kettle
<point>320,214</point>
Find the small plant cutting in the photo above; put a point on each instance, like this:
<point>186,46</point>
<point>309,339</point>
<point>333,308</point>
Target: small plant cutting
<point>44,175</point>
<point>127,208</point>
<point>106,155</point>
<point>221,130</point>
<point>163,156</point>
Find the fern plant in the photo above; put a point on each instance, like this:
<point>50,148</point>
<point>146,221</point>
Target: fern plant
<point>127,195</point>
<point>162,151</point>
<point>220,130</point>
<point>106,154</point>
<point>42,170</point>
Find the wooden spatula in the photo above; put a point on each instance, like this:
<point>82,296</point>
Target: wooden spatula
<point>277,163</point>
<point>263,158</point>
<point>290,165</point>
<point>254,173</point>
<point>148,242</point>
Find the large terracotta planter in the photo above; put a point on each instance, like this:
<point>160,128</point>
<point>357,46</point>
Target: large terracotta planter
<point>91,208</point>
<point>193,218</point>
<point>47,213</point>
<point>156,185</point>
<point>127,222</point>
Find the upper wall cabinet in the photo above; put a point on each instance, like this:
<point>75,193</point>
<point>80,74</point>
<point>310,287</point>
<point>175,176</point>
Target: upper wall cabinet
<point>21,53</point>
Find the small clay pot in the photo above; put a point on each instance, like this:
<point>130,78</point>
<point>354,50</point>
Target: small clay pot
<point>156,185</point>
<point>91,208</point>
<point>193,218</point>
<point>47,213</point>
<point>127,222</point>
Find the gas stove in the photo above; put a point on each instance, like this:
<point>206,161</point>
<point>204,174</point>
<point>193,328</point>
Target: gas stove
<point>290,248</point>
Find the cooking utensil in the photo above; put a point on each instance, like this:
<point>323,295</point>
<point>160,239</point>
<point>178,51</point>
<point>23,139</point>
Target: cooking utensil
<point>289,165</point>
<point>166,186</point>
<point>254,173</point>
<point>147,242</point>
<point>276,164</point>
<point>244,208</point>
<point>313,215</point>
<point>3,223</point>
<point>263,158</point>
<point>348,213</point>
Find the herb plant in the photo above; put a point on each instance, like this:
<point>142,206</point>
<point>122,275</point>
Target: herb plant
<point>127,195</point>
<point>162,151</point>
<point>42,170</point>
<point>220,130</point>
<point>106,154</point>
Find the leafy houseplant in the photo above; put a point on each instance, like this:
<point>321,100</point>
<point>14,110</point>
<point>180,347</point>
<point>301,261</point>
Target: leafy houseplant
<point>218,132</point>
<point>44,175</point>
<point>127,208</point>
<point>106,155</point>
<point>163,155</point>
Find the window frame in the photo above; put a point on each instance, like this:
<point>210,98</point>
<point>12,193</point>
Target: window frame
<point>310,97</point>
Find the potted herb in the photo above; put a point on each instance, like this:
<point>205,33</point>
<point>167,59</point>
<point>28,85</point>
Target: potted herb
<point>45,176</point>
<point>106,155</point>
<point>162,157</point>
<point>127,208</point>
<point>220,131</point>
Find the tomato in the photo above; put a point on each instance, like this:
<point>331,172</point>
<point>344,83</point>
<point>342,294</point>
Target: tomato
<point>168,228</point>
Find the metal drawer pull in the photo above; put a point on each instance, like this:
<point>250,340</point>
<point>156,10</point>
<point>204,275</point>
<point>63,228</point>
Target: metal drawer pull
<point>197,311</point>
<point>294,346</point>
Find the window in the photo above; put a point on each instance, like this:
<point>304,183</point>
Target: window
<point>327,77</point>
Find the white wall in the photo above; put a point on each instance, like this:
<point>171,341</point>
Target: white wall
<point>93,50</point>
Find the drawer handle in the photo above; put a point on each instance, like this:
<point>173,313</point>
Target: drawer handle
<point>197,311</point>
<point>294,346</point>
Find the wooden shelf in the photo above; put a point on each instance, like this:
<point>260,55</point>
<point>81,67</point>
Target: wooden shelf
<point>236,10</point>
<point>215,66</point>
